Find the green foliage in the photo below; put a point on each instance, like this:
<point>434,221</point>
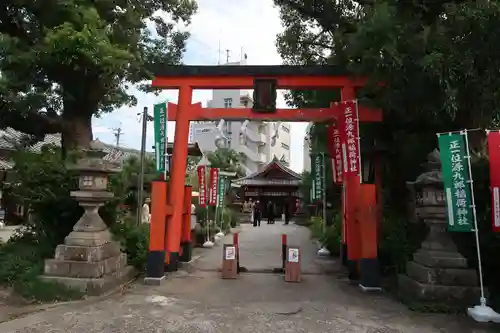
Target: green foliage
<point>330,235</point>
<point>134,240</point>
<point>316,227</point>
<point>42,184</point>
<point>22,263</point>
<point>400,240</point>
<point>63,61</point>
<point>226,160</point>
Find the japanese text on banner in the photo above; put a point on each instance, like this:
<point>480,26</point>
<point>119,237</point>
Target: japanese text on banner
<point>456,181</point>
<point>350,138</point>
<point>336,151</point>
<point>221,191</point>
<point>214,180</point>
<point>319,182</point>
<point>494,159</point>
<point>160,127</point>
<point>202,186</point>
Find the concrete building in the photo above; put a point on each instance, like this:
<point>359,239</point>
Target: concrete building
<point>258,142</point>
<point>306,164</point>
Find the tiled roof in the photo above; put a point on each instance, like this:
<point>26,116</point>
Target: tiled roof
<point>114,154</point>
<point>254,179</point>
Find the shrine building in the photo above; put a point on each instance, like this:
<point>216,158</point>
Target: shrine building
<point>276,183</point>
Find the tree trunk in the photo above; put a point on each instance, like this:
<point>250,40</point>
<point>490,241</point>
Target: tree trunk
<point>77,129</point>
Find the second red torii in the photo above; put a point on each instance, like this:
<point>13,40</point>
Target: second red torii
<point>197,112</point>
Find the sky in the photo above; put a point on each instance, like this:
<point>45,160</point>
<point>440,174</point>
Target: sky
<point>248,25</point>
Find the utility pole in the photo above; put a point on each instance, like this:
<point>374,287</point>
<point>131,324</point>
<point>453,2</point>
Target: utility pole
<point>218,54</point>
<point>140,189</point>
<point>117,132</point>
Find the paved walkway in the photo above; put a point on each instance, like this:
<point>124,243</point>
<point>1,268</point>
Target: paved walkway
<point>200,301</point>
<point>260,248</point>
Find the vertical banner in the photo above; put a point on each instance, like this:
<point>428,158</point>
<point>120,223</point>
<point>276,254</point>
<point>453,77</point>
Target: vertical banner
<point>455,169</point>
<point>349,132</point>
<point>313,193</point>
<point>202,184</point>
<point>494,154</point>
<point>318,180</point>
<point>214,180</point>
<point>221,191</point>
<point>160,127</point>
<point>313,172</point>
<point>337,155</point>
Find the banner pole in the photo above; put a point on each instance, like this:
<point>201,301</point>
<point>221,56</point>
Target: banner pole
<point>359,144</point>
<point>473,202</point>
<point>324,191</point>
<point>165,172</point>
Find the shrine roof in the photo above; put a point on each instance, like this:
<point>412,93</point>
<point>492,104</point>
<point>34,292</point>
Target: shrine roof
<point>258,178</point>
<point>246,70</point>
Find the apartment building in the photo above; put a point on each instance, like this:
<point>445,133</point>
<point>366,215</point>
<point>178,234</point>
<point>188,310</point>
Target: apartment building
<point>306,164</point>
<point>258,142</point>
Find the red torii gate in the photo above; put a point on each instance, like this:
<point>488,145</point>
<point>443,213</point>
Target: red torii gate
<point>361,225</point>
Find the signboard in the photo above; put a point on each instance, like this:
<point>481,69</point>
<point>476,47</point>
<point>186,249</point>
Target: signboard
<point>214,180</point>
<point>202,183</point>
<point>494,155</point>
<point>293,255</point>
<point>230,253</point>
<point>160,117</point>
<point>455,169</point>
<point>349,133</point>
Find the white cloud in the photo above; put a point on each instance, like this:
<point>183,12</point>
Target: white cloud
<point>248,26</point>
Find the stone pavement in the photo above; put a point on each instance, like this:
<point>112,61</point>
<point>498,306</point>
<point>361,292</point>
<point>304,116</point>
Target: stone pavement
<point>260,248</point>
<point>200,301</point>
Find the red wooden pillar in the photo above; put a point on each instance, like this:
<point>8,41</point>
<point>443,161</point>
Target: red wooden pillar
<point>369,271</point>
<point>179,164</point>
<point>156,256</point>
<point>186,243</point>
<point>351,206</point>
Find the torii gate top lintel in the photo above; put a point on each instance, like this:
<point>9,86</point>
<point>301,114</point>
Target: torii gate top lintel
<point>242,77</point>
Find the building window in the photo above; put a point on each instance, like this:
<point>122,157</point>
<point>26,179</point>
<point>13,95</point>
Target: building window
<point>228,102</point>
<point>284,145</point>
<point>284,128</point>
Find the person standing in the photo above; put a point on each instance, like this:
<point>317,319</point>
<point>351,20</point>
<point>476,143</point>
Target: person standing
<point>270,212</point>
<point>256,214</point>
<point>145,214</point>
<point>287,213</point>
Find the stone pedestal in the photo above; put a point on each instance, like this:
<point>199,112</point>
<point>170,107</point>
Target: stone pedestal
<point>438,272</point>
<point>89,260</point>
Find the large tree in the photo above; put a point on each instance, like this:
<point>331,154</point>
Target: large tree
<point>63,61</point>
<point>435,58</point>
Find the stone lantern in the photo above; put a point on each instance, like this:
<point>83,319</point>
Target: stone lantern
<point>438,272</point>
<point>89,260</point>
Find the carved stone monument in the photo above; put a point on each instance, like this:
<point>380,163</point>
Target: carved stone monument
<point>89,260</point>
<point>438,272</point>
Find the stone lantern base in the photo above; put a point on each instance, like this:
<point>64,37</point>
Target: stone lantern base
<point>439,276</point>
<point>89,262</point>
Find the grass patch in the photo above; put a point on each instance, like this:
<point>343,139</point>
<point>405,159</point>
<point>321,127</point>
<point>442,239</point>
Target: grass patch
<point>22,263</point>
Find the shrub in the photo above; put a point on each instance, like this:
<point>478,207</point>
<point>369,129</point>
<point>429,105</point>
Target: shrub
<point>134,240</point>
<point>22,262</point>
<point>399,240</point>
<point>332,236</point>
<point>316,227</point>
